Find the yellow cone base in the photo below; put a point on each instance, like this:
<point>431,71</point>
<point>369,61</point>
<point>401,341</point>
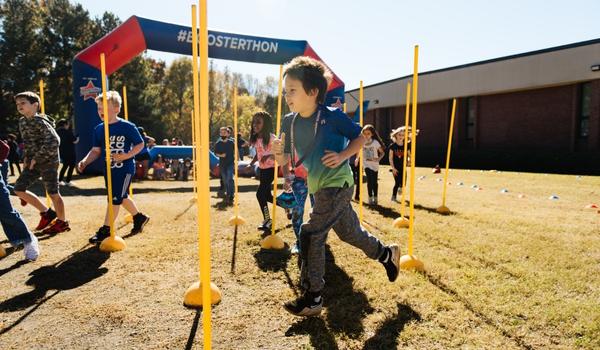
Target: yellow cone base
<point>193,295</point>
<point>128,218</point>
<point>236,221</point>
<point>193,200</point>
<point>2,252</point>
<point>112,244</point>
<point>443,210</point>
<point>401,222</point>
<point>272,242</point>
<point>411,263</point>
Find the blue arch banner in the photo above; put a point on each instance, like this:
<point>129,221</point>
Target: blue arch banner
<point>138,34</point>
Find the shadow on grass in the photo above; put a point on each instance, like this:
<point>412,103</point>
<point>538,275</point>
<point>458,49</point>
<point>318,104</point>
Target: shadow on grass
<point>76,270</point>
<point>190,342</point>
<point>275,261</point>
<point>517,339</point>
<point>346,307</point>
<point>320,335</point>
<point>386,335</point>
<point>391,213</point>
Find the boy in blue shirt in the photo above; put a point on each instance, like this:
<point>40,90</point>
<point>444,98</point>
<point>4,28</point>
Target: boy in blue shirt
<point>322,139</point>
<point>125,143</point>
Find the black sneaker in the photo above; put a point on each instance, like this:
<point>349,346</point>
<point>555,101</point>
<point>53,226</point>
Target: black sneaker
<point>391,261</point>
<point>265,226</point>
<point>103,232</point>
<point>139,221</point>
<point>309,304</point>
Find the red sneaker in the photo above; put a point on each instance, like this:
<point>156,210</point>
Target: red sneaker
<point>57,226</point>
<point>46,219</point>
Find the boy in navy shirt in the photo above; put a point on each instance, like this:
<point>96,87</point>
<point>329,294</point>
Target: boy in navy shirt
<point>225,150</point>
<point>322,139</point>
<point>125,143</point>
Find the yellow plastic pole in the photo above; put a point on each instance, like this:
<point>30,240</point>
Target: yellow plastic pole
<point>112,243</point>
<point>344,107</point>
<point>444,209</point>
<point>43,110</point>
<point>411,262</point>
<point>360,156</point>
<point>236,152</point>
<point>402,222</point>
<point>126,113</point>
<point>42,104</point>
<point>273,241</point>
<point>203,293</point>
<point>194,158</point>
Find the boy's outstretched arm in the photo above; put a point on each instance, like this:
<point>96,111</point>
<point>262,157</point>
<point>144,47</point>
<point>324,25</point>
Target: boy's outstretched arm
<point>333,159</point>
<point>92,155</point>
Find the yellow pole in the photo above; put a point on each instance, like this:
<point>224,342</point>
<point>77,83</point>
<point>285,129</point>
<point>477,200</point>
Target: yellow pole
<point>413,149</point>
<point>204,207</point>
<point>42,104</point>
<point>406,114</point>
<point>126,113</point>
<point>411,262</point>
<point>273,241</point>
<point>236,152</point>
<point>360,156</point>
<point>194,158</point>
<point>443,209</point>
<point>111,214</point>
<point>43,110</point>
<point>277,129</point>
<point>344,107</point>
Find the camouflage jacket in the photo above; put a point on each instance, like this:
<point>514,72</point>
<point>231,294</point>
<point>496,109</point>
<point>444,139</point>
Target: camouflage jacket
<point>40,139</point>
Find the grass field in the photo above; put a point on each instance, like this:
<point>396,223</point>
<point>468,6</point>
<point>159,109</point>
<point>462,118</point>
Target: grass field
<point>503,272</point>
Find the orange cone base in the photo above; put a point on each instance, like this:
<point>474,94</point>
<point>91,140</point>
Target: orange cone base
<point>193,296</point>
<point>128,218</point>
<point>411,263</point>
<point>2,252</point>
<point>401,222</point>
<point>272,242</point>
<point>443,210</point>
<point>236,221</point>
<point>112,244</point>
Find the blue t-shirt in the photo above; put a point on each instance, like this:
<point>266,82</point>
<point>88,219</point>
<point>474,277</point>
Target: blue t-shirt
<point>123,135</point>
<point>335,130</point>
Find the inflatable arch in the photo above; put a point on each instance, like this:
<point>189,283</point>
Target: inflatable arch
<point>137,34</point>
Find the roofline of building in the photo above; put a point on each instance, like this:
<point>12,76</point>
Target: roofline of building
<point>504,58</point>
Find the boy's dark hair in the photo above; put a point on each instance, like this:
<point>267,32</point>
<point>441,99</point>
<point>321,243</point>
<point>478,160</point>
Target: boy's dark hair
<point>312,73</point>
<point>30,96</point>
<point>61,123</point>
<point>266,131</point>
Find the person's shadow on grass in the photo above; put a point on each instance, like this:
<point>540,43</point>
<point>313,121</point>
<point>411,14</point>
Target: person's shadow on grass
<point>78,269</point>
<point>386,335</point>
<point>346,308</point>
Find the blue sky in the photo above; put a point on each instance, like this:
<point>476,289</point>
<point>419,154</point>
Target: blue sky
<point>373,40</point>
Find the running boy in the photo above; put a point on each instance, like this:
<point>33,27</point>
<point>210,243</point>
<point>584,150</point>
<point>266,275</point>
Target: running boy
<point>40,159</point>
<point>319,136</point>
<point>125,143</point>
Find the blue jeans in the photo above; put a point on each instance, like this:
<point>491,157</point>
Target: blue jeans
<point>227,177</point>
<point>12,223</point>
<point>300,193</point>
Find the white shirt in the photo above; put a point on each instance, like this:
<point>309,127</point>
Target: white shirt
<point>370,151</point>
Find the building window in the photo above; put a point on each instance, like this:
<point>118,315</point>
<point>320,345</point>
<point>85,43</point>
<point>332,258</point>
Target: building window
<point>471,118</point>
<point>584,110</point>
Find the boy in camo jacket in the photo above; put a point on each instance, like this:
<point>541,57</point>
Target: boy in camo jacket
<point>40,160</point>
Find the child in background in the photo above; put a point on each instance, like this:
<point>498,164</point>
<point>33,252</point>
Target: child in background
<point>124,142</point>
<point>261,138</point>
<point>373,151</point>
<point>40,160</point>
<point>159,169</point>
<point>397,157</point>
